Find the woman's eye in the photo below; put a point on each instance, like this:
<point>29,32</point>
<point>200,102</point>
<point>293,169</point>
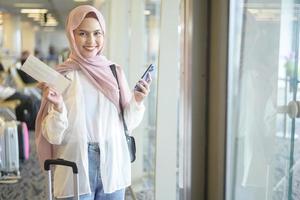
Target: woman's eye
<point>98,34</point>
<point>82,34</point>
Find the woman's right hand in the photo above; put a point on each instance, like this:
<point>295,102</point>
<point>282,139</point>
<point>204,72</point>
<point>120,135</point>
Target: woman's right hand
<point>52,95</point>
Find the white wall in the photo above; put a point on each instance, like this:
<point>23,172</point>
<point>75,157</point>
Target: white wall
<point>27,37</point>
<point>12,34</point>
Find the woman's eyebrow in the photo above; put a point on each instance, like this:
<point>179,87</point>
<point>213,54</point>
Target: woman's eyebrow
<point>89,31</point>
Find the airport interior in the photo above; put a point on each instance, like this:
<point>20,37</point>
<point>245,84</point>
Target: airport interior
<point>221,117</point>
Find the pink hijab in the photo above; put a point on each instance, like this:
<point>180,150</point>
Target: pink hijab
<point>96,69</point>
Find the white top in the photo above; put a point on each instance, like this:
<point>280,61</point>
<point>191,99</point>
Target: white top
<point>88,116</point>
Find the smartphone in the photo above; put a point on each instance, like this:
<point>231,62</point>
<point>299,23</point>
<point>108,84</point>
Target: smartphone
<point>145,76</point>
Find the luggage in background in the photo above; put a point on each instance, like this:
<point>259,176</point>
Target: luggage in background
<point>9,152</point>
<point>11,147</point>
<point>27,110</point>
<point>14,145</point>
<point>7,114</point>
<point>2,145</point>
<point>23,139</point>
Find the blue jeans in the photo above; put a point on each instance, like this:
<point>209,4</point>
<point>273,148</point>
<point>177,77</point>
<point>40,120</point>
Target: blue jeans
<point>95,179</point>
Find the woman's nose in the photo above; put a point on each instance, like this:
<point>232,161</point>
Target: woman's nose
<point>90,38</point>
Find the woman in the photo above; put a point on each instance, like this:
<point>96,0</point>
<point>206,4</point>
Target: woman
<point>83,123</point>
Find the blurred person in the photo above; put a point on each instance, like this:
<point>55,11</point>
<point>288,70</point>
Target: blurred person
<point>38,54</point>
<point>24,56</point>
<point>84,124</point>
<point>52,58</point>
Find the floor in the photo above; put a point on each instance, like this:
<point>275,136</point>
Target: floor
<point>32,184</point>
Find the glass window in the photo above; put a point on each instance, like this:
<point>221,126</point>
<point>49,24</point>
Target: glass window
<point>263,109</point>
<point>152,30</point>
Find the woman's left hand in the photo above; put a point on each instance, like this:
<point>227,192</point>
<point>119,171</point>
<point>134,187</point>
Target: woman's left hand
<point>143,89</point>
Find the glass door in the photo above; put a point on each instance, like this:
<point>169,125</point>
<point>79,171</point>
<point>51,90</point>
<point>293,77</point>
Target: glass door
<point>263,101</point>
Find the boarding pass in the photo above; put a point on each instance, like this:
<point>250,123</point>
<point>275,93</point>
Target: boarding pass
<point>44,73</point>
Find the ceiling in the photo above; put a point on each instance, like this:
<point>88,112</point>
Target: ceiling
<point>58,8</point>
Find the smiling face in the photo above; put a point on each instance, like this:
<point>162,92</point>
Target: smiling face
<point>89,37</point>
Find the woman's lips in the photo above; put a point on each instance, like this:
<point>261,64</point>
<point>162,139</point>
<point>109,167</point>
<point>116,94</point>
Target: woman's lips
<point>88,48</point>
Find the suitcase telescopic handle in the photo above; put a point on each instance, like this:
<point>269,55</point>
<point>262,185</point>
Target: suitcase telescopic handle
<point>60,162</point>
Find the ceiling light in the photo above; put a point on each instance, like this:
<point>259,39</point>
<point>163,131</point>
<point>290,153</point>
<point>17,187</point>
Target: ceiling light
<point>34,15</point>
<point>34,10</point>
<point>50,22</point>
<point>81,0</point>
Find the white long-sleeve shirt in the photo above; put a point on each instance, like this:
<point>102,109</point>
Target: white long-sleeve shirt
<point>88,116</point>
